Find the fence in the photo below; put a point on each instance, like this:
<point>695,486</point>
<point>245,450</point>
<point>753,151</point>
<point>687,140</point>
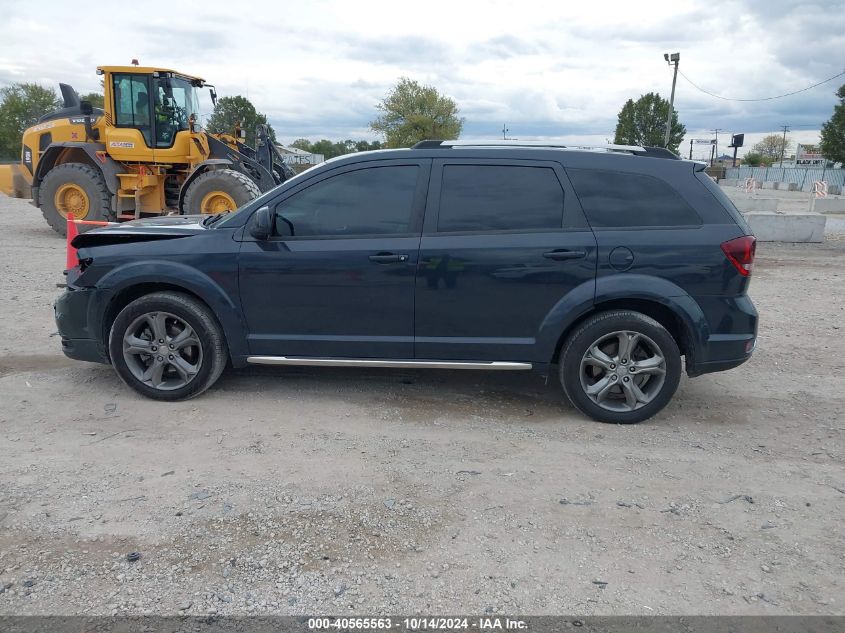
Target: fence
<point>804,178</point>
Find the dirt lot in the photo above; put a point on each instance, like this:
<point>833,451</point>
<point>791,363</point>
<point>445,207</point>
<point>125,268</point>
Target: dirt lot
<point>361,491</point>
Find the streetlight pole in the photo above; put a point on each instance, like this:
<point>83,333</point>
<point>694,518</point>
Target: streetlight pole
<point>674,58</point>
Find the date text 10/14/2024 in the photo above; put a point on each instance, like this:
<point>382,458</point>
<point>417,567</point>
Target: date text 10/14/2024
<point>419,623</point>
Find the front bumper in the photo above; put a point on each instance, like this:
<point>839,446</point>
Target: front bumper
<point>72,310</point>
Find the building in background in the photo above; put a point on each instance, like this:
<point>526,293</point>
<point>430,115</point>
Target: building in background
<point>298,159</point>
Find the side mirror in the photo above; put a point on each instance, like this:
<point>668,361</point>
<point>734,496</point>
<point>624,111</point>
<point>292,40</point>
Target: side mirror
<point>262,225</point>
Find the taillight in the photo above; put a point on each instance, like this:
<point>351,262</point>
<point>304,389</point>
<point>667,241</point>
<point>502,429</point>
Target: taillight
<point>741,253</point>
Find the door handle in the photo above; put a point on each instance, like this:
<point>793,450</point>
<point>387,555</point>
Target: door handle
<point>561,254</point>
<point>388,258</point>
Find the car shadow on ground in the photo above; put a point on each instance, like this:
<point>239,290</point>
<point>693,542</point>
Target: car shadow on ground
<point>429,394</point>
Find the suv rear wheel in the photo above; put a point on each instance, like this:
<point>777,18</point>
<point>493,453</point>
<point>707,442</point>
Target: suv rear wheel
<point>167,346</point>
<point>620,366</point>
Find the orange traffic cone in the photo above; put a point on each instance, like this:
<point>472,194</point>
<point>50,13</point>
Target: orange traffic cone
<point>71,260</point>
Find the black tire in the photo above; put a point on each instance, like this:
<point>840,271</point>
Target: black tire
<point>649,333</point>
<point>236,184</point>
<point>211,352</point>
<point>89,179</point>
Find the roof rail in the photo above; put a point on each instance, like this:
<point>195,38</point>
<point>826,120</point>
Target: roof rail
<point>637,150</point>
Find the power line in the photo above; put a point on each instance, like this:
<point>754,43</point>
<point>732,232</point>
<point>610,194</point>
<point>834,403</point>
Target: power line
<point>788,94</point>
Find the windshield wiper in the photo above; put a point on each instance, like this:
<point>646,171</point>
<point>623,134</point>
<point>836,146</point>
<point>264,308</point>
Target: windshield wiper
<point>212,219</point>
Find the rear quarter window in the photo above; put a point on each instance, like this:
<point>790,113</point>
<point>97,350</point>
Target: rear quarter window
<point>721,197</point>
<point>612,199</point>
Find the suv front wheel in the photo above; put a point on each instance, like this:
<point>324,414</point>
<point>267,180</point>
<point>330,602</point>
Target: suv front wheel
<point>620,366</point>
<point>167,346</point>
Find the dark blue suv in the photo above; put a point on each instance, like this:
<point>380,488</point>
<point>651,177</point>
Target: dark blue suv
<point>606,265</point>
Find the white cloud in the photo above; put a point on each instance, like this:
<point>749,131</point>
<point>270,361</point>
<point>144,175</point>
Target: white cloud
<point>548,69</point>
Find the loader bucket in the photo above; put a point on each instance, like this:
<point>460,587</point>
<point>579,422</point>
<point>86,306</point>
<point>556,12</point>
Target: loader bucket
<point>13,182</point>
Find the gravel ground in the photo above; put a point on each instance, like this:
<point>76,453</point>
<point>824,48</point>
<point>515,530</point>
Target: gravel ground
<point>293,491</point>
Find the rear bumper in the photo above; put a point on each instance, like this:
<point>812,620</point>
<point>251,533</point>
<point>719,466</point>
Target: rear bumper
<point>71,310</point>
<point>725,350</point>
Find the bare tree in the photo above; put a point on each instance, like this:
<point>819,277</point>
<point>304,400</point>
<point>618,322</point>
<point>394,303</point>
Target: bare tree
<point>772,146</point>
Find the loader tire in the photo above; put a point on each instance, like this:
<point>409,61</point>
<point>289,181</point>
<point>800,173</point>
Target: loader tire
<point>219,191</point>
<point>73,188</point>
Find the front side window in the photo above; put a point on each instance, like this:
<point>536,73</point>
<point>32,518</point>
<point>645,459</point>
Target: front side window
<point>613,199</point>
<point>499,198</point>
<point>132,104</point>
<point>373,201</point>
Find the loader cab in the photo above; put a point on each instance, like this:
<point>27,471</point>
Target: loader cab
<point>148,108</point>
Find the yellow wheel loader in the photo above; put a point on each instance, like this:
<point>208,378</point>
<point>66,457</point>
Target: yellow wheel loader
<point>144,153</point>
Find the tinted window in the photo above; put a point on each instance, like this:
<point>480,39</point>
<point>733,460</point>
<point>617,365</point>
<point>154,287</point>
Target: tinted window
<point>499,198</point>
<point>373,201</point>
<point>614,199</point>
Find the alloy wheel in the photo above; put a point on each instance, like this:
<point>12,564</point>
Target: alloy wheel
<point>623,371</point>
<point>162,351</point>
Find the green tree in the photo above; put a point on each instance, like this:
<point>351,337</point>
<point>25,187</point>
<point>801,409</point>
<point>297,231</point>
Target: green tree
<point>330,149</point>
<point>412,112</point>
<point>302,143</point>
<point>21,105</point>
<point>230,111</point>
<point>643,122</point>
<point>94,98</point>
<point>367,146</point>
<point>756,159</point>
<point>771,147</point>
<point>833,132</point>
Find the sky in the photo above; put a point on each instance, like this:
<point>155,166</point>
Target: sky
<point>549,70</point>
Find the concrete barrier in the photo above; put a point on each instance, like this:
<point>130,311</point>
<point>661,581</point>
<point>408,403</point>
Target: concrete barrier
<point>755,204</point>
<point>787,186</point>
<point>834,190</point>
<point>782,227</point>
<point>828,205</point>
<point>770,185</point>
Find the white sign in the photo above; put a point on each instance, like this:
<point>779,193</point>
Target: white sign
<point>808,156</point>
<point>703,141</point>
<point>302,159</point>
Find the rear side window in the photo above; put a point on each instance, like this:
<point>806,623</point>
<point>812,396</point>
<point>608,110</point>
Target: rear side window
<point>612,199</point>
<point>499,198</point>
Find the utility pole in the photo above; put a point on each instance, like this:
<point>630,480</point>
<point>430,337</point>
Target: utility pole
<point>783,145</point>
<point>505,131</point>
<point>716,149</point>
<point>674,58</point>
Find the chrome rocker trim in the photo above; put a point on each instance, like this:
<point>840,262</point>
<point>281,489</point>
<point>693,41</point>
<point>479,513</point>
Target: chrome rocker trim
<point>376,362</point>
